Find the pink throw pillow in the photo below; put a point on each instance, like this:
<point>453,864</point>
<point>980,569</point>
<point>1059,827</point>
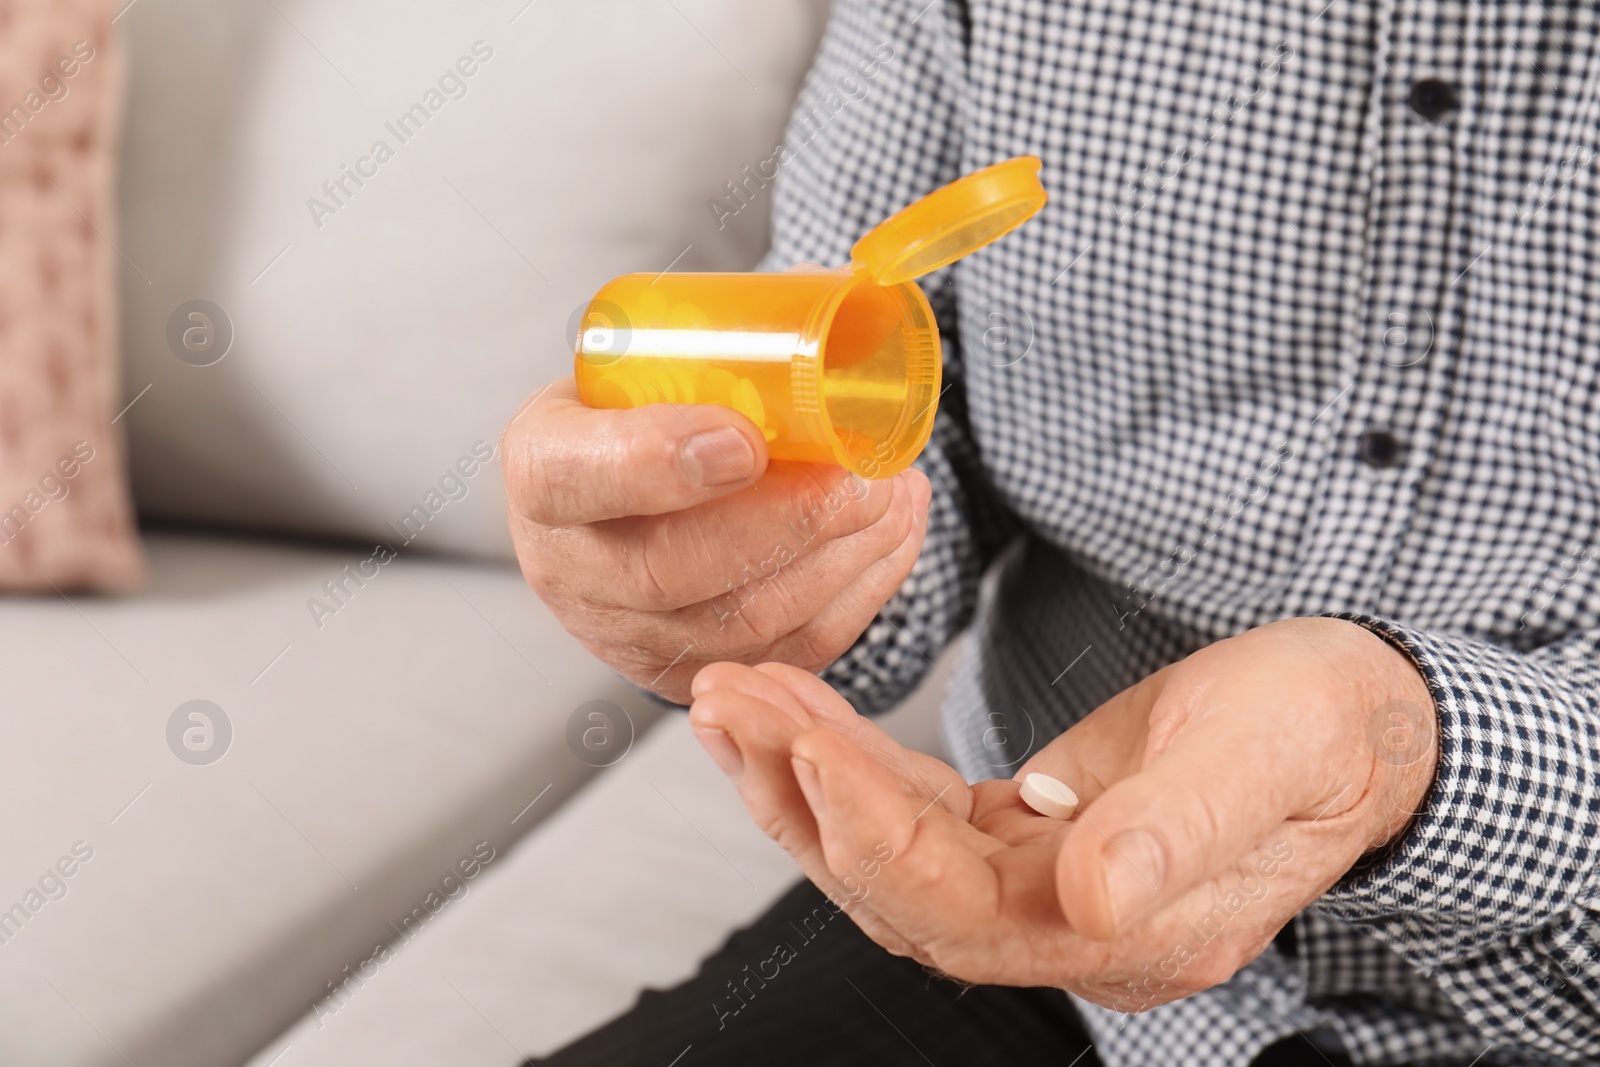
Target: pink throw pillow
<point>66,517</point>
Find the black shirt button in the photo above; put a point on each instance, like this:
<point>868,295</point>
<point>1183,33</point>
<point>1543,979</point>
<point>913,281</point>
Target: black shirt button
<point>1433,98</point>
<point>1380,449</point>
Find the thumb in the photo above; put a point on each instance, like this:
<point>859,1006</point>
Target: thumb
<point>567,464</point>
<point>1211,796</point>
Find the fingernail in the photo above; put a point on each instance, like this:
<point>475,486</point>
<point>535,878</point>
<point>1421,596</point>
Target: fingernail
<point>717,458</point>
<point>805,772</point>
<point>720,747</point>
<point>1135,869</point>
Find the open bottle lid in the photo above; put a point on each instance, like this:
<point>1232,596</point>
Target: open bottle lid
<point>951,222</point>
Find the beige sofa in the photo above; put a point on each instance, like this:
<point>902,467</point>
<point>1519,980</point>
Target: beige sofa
<point>245,828</point>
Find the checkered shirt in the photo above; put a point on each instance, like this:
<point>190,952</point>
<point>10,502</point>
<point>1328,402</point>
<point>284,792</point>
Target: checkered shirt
<point>1311,325</point>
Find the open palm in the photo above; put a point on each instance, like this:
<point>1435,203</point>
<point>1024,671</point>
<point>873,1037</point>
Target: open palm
<point>1213,809</point>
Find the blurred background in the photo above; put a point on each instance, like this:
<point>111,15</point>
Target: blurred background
<point>297,771</point>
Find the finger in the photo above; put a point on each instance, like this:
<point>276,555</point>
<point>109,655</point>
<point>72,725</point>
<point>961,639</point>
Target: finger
<point>810,702</point>
<point>925,872</point>
<point>762,736</point>
<point>772,622</point>
<point>734,551</point>
<point>757,683</point>
<point>760,612</point>
<point>567,463</point>
<point>664,650</point>
<point>1218,790</point>
<point>976,907</point>
<point>821,701</point>
<point>835,626</point>
<point>918,774</point>
<point>727,628</point>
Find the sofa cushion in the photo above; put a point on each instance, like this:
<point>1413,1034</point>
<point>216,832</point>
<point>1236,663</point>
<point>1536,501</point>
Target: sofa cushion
<point>162,903</point>
<point>396,217</point>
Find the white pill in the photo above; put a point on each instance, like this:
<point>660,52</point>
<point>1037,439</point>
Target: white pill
<point>1049,796</point>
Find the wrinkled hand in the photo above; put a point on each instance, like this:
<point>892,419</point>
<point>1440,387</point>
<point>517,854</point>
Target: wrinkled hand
<point>1219,797</point>
<point>663,539</point>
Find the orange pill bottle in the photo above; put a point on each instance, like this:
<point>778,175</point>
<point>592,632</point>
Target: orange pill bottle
<point>834,366</point>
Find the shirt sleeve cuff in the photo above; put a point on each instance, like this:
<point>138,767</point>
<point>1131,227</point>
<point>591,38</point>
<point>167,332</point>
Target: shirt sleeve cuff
<point>1507,837</point>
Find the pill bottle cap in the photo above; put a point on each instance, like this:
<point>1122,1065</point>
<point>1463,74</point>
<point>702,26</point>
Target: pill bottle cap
<point>951,222</point>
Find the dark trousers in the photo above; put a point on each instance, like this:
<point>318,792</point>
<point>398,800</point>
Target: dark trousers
<point>803,985</point>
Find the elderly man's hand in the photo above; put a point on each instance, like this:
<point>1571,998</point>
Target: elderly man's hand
<point>1219,797</point>
<point>663,539</point>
